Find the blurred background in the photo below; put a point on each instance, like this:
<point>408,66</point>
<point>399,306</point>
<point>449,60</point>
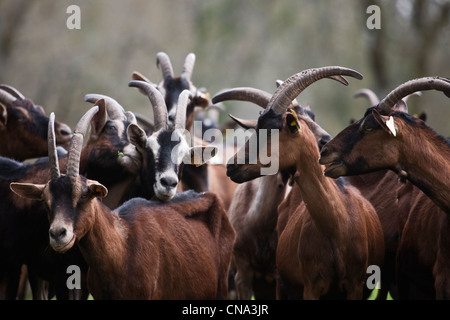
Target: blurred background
<point>237,43</point>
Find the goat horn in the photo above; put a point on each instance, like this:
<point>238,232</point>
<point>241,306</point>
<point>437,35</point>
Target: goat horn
<point>279,83</point>
<point>115,110</point>
<point>257,96</point>
<point>409,87</point>
<point>6,97</point>
<point>13,91</point>
<point>369,95</point>
<point>76,144</point>
<point>163,61</point>
<point>188,66</point>
<point>180,117</point>
<point>52,153</point>
<point>294,85</point>
<point>157,100</point>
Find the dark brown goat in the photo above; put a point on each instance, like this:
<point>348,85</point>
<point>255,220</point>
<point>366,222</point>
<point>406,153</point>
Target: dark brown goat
<point>23,127</point>
<point>409,146</point>
<point>386,139</point>
<point>26,242</point>
<point>143,249</point>
<point>334,234</point>
<point>373,187</point>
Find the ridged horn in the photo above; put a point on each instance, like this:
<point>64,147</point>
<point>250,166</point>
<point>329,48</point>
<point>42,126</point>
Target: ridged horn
<point>257,96</point>
<point>13,91</point>
<point>76,144</point>
<point>188,66</point>
<point>52,153</point>
<point>114,109</point>
<point>409,87</point>
<point>157,101</point>
<point>163,61</point>
<point>6,97</point>
<point>369,95</point>
<point>295,84</point>
<point>180,117</point>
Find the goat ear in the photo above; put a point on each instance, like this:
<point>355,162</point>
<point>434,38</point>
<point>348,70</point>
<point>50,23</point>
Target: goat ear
<point>401,106</point>
<point>387,123</point>
<point>136,135</point>
<point>99,119</point>
<point>3,116</point>
<point>28,190</point>
<point>198,155</point>
<point>292,123</point>
<point>202,98</point>
<point>96,189</point>
<point>246,124</point>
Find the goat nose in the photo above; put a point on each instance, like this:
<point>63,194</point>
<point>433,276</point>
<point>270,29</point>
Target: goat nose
<point>57,233</point>
<point>64,130</point>
<point>169,182</point>
<point>323,141</point>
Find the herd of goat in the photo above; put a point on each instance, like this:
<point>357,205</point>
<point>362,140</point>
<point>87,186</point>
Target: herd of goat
<point>140,224</point>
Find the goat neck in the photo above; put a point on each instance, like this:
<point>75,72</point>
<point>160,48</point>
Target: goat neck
<point>320,194</point>
<point>430,174</point>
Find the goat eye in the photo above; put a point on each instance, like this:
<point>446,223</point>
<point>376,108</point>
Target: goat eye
<point>111,129</point>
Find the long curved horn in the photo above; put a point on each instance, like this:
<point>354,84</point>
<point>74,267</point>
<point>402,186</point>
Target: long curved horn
<point>76,144</point>
<point>157,101</point>
<point>257,96</point>
<point>369,95</point>
<point>163,61</point>
<point>180,117</point>
<point>115,110</point>
<point>188,66</point>
<point>13,91</point>
<point>52,153</point>
<point>295,84</point>
<point>409,87</point>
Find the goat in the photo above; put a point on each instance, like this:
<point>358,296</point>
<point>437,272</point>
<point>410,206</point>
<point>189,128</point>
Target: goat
<point>253,211</point>
<point>171,87</point>
<point>120,164</point>
<point>421,257</point>
<point>210,177</point>
<point>334,234</point>
<point>386,139</point>
<point>23,127</point>
<point>26,241</point>
<point>373,186</point>
<point>143,249</point>
<point>166,149</point>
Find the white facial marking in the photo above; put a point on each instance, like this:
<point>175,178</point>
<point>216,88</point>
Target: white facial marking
<point>162,191</point>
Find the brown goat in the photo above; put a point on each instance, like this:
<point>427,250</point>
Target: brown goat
<point>23,127</point>
<point>253,211</point>
<point>384,139</point>
<point>334,234</point>
<point>373,187</point>
<point>27,219</point>
<point>143,249</point>
<point>408,147</point>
